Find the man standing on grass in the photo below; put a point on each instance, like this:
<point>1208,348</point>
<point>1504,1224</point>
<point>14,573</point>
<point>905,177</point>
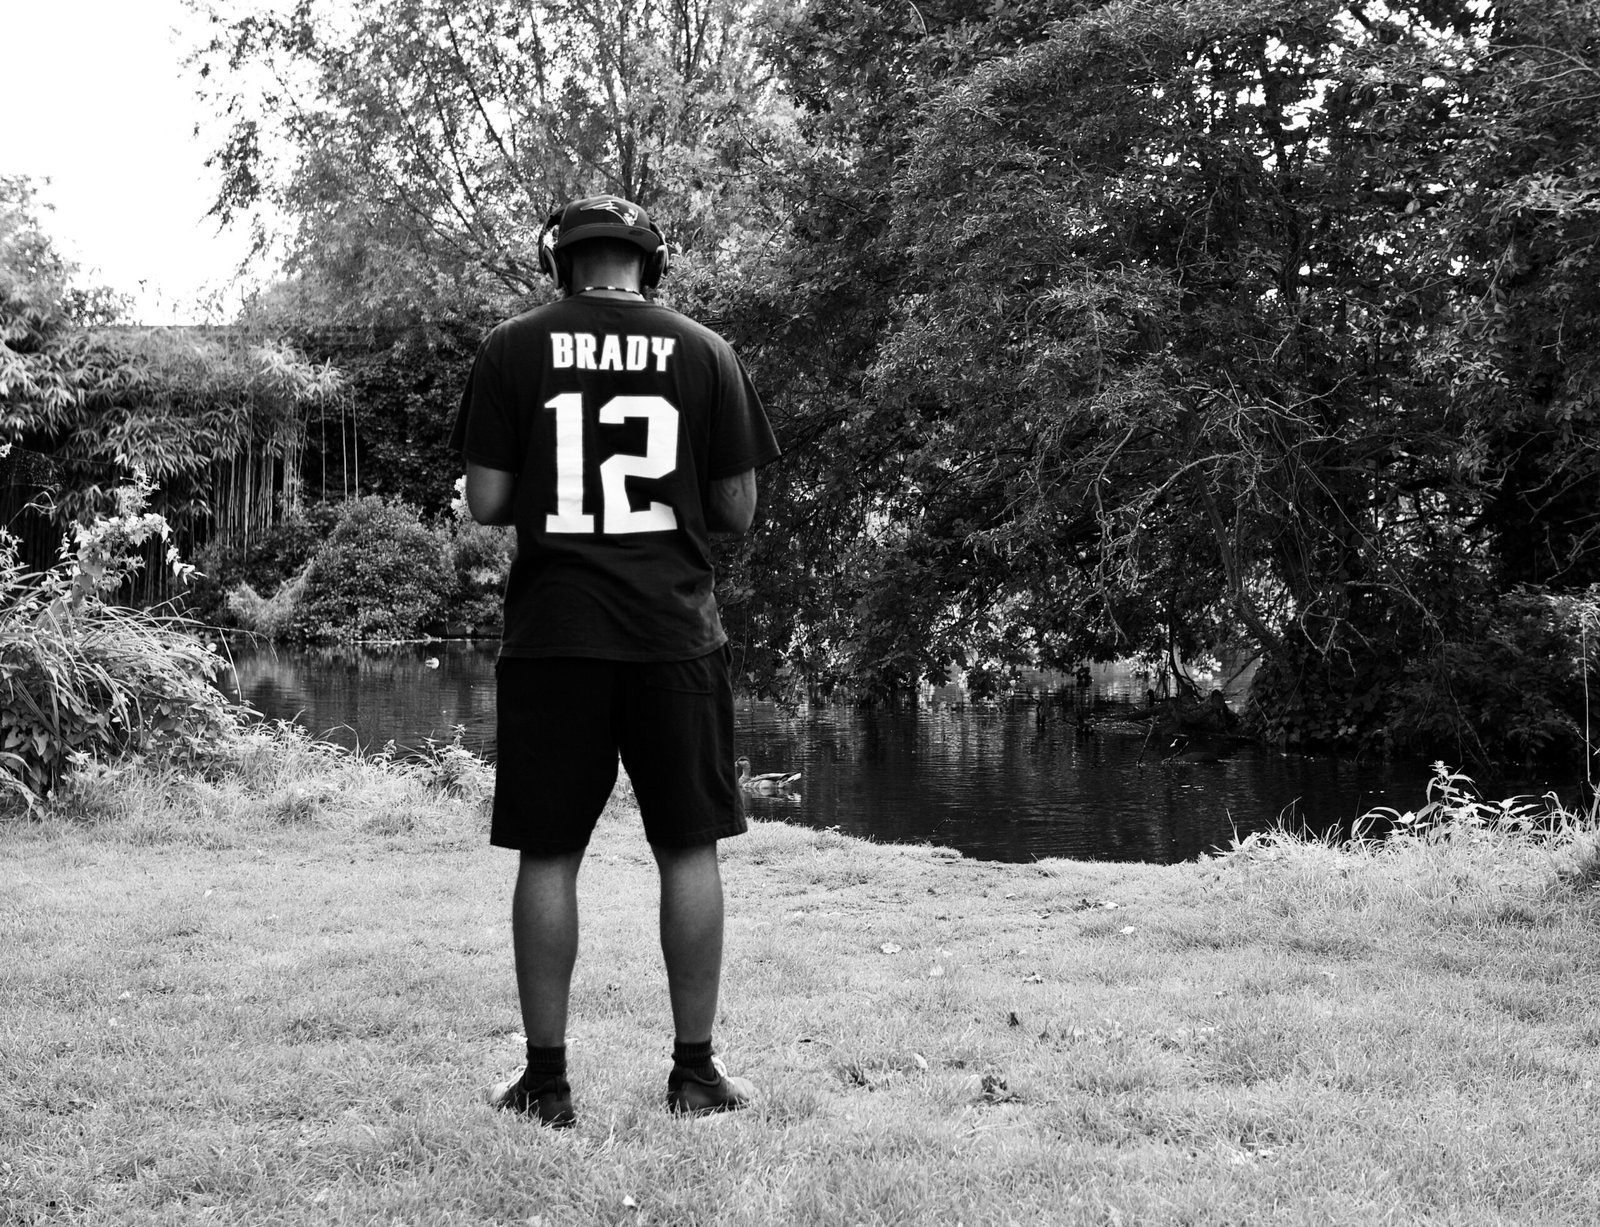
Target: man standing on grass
<point>616,435</point>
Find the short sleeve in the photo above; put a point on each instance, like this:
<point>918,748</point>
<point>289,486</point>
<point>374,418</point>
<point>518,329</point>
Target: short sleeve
<point>741,436</point>
<point>486,427</point>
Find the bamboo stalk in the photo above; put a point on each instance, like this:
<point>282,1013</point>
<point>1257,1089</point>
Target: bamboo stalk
<point>355,444</point>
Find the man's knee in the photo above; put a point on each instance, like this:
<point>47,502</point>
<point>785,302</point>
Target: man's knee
<point>542,870</point>
<point>695,855</point>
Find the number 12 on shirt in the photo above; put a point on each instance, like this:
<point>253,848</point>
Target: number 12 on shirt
<point>660,458</point>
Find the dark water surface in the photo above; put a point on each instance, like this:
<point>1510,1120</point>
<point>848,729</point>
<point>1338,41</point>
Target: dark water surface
<point>995,783</point>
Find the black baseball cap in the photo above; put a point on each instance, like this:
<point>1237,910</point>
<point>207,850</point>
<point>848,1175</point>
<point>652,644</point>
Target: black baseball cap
<point>606,217</point>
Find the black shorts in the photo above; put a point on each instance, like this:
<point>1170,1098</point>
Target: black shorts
<point>563,722</point>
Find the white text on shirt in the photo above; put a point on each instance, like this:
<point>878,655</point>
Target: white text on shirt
<point>608,352</point>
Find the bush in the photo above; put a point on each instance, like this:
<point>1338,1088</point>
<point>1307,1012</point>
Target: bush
<point>381,574</point>
<point>271,617</point>
<point>481,558</point>
<point>84,680</point>
<point>274,558</point>
<point>1510,692</point>
<point>1506,686</point>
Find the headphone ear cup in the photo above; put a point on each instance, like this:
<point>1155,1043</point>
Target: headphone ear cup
<point>656,263</point>
<point>655,266</point>
<point>549,260</point>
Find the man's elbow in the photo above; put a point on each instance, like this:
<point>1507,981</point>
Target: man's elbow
<point>491,495</point>
<point>732,505</point>
<point>734,525</point>
<point>493,514</point>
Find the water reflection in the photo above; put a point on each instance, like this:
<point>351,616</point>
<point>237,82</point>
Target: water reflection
<point>1003,785</point>
<point>363,697</point>
<point>998,784</point>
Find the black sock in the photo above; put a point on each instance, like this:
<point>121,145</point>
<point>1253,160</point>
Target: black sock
<point>547,1062</point>
<point>696,1057</point>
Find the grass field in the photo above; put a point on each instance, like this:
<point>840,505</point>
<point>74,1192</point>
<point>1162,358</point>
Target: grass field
<point>277,997</point>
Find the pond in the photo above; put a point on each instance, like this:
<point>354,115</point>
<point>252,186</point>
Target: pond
<point>996,783</point>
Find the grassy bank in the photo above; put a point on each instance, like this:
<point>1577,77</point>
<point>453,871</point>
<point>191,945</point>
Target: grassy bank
<point>277,996</point>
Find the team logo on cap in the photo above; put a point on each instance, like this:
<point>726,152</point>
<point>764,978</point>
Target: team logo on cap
<point>627,212</point>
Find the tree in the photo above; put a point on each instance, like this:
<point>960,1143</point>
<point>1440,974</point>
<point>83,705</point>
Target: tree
<point>392,430</point>
<point>216,419</point>
<point>1165,322</point>
<point>1524,229</point>
<point>834,588</point>
<point>1090,327</point>
<point>46,359</point>
<point>416,146</point>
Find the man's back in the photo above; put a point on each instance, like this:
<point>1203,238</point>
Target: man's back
<point>616,413</point>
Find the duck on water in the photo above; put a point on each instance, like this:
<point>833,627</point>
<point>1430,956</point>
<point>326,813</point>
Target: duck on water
<point>768,783</point>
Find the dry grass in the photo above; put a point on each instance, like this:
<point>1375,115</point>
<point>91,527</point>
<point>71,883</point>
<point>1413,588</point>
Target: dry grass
<point>275,997</point>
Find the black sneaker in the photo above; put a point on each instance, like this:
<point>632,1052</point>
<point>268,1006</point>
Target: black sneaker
<point>692,1094</point>
<point>548,1101</point>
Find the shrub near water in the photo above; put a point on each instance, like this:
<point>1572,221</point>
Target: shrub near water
<point>81,678</point>
<point>230,575</point>
<point>481,556</point>
<point>1512,688</point>
<point>263,588</point>
<point>381,575</point>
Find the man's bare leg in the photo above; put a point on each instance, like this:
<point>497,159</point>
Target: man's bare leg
<point>544,936</point>
<point>691,943</point>
<point>691,936</point>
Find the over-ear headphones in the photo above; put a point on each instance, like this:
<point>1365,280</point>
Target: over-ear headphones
<point>601,217</point>
<point>549,264</point>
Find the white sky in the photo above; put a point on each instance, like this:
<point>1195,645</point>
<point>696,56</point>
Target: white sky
<point>98,102</point>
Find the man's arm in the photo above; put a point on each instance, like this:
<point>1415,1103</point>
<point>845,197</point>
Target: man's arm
<point>730,502</point>
<point>489,494</point>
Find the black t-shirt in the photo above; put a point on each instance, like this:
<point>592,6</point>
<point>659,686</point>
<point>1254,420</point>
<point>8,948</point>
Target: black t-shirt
<point>615,414</point>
